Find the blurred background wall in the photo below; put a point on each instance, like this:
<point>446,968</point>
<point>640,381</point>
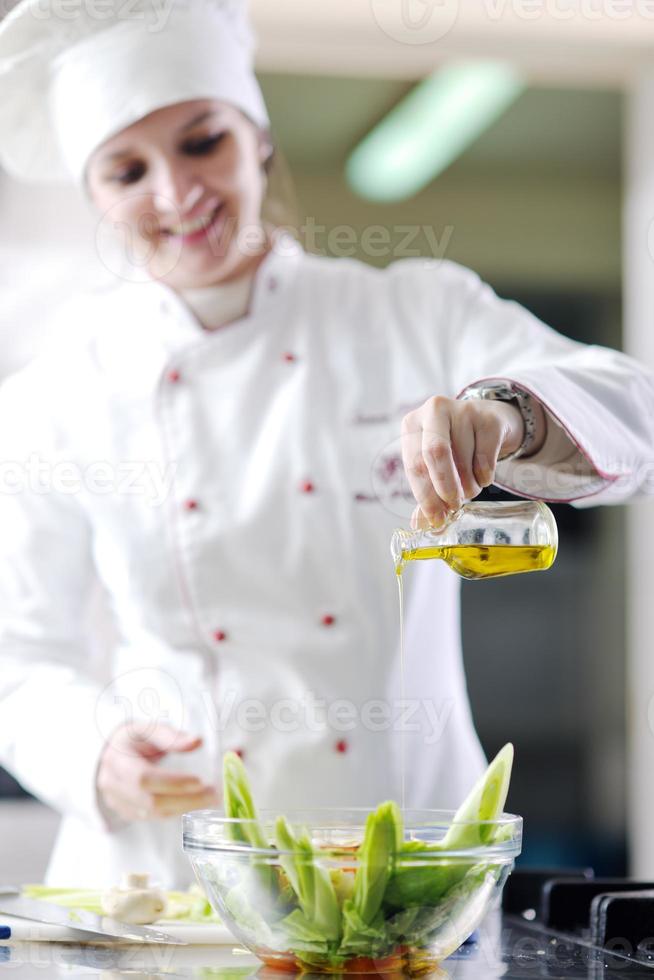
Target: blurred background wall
<point>534,206</point>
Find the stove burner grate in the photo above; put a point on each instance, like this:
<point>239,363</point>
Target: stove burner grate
<point>612,914</point>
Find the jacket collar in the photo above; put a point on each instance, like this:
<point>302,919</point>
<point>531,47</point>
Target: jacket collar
<point>152,325</point>
<point>271,282</point>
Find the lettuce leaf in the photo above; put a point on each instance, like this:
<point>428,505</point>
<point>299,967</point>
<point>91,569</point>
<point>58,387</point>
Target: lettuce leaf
<point>246,828</point>
<point>303,935</point>
<point>413,885</point>
<point>382,840</point>
<point>310,880</point>
<point>190,906</point>
<point>238,903</point>
<point>485,802</point>
<point>239,805</point>
<point>362,937</point>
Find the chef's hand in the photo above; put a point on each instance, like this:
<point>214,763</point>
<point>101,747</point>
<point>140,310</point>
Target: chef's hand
<point>450,449</point>
<point>131,784</point>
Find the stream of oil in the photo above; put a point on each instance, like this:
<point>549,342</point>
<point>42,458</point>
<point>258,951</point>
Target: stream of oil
<point>471,562</point>
<point>402,691</point>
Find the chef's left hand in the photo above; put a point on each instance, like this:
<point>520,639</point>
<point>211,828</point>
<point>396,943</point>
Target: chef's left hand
<point>450,450</point>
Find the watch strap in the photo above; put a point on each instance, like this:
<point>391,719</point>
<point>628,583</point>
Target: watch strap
<point>508,391</point>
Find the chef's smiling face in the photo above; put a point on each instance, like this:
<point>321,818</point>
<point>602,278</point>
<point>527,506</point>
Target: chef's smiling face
<point>183,187</point>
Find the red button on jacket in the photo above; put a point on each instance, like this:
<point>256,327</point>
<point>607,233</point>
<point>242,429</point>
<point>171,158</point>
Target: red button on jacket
<point>341,746</point>
<point>307,486</point>
<point>174,376</point>
<point>328,620</point>
<point>220,635</point>
<point>191,505</point>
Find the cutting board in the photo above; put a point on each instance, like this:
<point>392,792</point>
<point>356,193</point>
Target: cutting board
<point>196,933</point>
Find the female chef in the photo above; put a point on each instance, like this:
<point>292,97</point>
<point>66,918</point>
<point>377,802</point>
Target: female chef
<point>258,416</point>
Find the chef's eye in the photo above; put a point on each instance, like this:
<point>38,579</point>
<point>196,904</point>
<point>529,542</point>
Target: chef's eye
<point>200,147</point>
<point>129,174</point>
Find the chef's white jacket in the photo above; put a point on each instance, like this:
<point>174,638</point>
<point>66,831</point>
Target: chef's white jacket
<point>234,492</point>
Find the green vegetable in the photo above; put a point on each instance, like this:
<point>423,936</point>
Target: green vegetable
<point>382,840</point>
<point>415,883</point>
<point>310,880</point>
<point>398,896</point>
<point>190,906</point>
<point>246,828</point>
<point>343,882</point>
<point>303,934</point>
<point>361,938</point>
<point>239,804</point>
<point>239,904</point>
<point>485,802</point>
<point>364,925</point>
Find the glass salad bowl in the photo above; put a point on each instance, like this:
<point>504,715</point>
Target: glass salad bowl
<point>352,891</point>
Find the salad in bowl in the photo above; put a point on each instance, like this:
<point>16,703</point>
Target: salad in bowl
<point>354,891</point>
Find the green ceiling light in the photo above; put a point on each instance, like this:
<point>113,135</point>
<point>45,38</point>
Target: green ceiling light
<point>425,132</point>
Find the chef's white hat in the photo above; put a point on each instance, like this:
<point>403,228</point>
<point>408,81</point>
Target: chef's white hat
<point>75,72</point>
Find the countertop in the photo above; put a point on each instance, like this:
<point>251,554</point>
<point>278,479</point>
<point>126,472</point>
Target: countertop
<point>507,947</point>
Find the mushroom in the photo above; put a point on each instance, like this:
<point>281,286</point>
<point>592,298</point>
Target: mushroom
<point>136,901</point>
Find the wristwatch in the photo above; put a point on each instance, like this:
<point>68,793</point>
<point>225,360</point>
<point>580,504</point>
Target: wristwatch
<point>508,391</point>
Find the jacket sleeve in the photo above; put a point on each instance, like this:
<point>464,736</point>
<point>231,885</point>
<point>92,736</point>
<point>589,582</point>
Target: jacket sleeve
<point>599,403</point>
<point>51,734</point>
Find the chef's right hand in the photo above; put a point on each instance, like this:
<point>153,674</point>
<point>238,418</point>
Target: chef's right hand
<point>134,787</point>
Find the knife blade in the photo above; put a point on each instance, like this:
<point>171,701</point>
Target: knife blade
<point>12,903</point>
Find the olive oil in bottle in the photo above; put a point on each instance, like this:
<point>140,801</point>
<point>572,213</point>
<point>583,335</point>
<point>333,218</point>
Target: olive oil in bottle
<point>484,561</point>
<point>482,540</point>
<point>485,540</point>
